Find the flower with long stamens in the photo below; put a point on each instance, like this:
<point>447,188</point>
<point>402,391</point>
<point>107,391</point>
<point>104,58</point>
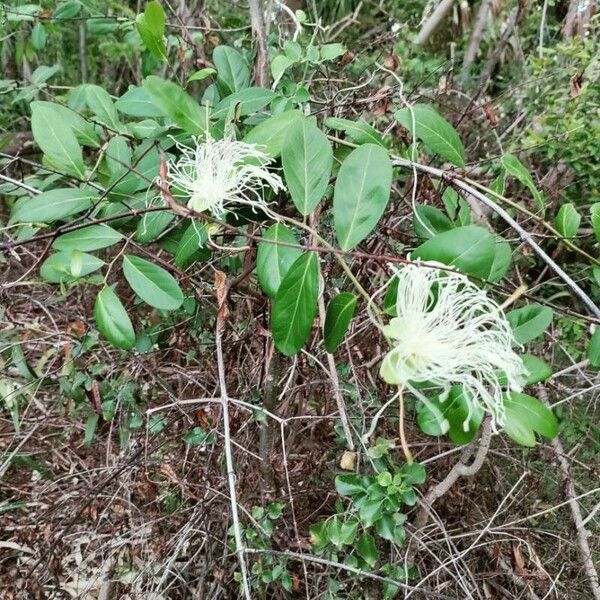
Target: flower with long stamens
<point>218,174</point>
<point>449,332</point>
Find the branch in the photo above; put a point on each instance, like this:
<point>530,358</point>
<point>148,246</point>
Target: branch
<point>434,21</point>
<point>478,28</point>
<point>261,72</point>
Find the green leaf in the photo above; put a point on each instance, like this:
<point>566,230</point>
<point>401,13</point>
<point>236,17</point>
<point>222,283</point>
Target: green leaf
<point>137,102</point>
<point>502,259</point>
<point>515,167</point>
<point>250,100</point>
<point>595,218</point>
<point>537,369</point>
<point>331,51</point>
<point>201,74</point>
<point>470,249</point>
<point>118,157</point>
<point>153,284</point>
<point>56,139</point>
<point>151,225</point>
<point>349,485</point>
<point>428,221</point>
<point>413,473</point>
<point>84,131</point>
<point>280,64</point>
<point>89,238</point>
<point>54,205</point>
<point>58,267</point>
<point>273,259</point>
<point>233,73</point>
<point>271,133</point>
<point>295,304</point>
<point>568,220</point>
<point>366,549</point>
<point>361,194</point>
<point>178,105</point>
<point>112,320</point>
<point>151,27</point>
<point>525,416</point>
<point>337,319</point>
<point>67,10</point>
<point>358,131</point>
<point>370,511</point>
<point>38,36</point>
<point>192,240</point>
<point>101,104</point>
<point>434,131</point>
<point>529,322</point>
<point>593,350</point>
<point>307,159</point>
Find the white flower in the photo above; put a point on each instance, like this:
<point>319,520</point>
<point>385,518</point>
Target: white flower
<point>449,332</point>
<point>217,174</point>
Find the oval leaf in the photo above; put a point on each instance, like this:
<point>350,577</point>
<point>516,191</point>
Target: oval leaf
<point>295,305</point>
<point>529,322</point>
<point>434,131</point>
<point>337,319</point>
<point>89,238</point>
<point>307,158</point>
<point>69,266</point>
<point>233,73</point>
<point>112,320</point>
<point>525,416</point>
<point>152,283</point>
<point>593,350</point>
<point>54,205</point>
<point>271,133</point>
<point>362,191</point>
<point>274,259</point>
<point>568,220</point>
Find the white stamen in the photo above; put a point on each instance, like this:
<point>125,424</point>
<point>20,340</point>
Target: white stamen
<point>449,332</point>
<point>217,174</point>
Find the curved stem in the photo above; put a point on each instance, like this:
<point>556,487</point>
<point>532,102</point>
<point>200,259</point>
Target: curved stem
<point>407,453</point>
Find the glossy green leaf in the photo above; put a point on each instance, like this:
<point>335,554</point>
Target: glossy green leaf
<point>112,320</point>
<point>137,102</point>
<point>517,169</point>
<point>101,104</point>
<point>337,319</point>
<point>177,104</point>
<point>568,220</point>
<point>537,369</point>
<point>307,159</point>
<point>89,238</point>
<point>59,267</point>
<point>470,249</point>
<point>357,131</point>
<point>53,134</point>
<point>153,284</point>
<point>151,225</point>
<point>429,221</point>
<point>84,130</point>
<point>595,219</point>
<point>233,73</point>
<point>53,205</point>
<point>295,305</point>
<point>593,350</point>
<point>201,74</point>
<point>434,131</point>
<point>191,242</point>
<point>151,27</point>
<point>525,416</point>
<point>250,100</point>
<point>366,549</point>
<point>271,133</point>
<point>274,259</point>
<point>529,322</point>
<point>361,194</point>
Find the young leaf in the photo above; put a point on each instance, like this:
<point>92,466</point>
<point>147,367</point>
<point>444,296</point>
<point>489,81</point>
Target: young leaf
<point>60,266</point>
<point>428,221</point>
<point>366,549</point>
<point>177,104</point>
<point>568,220</point>
<point>273,259</point>
<point>89,238</point>
<point>515,167</point>
<point>53,205</point>
<point>470,249</point>
<point>153,284</point>
<point>529,322</point>
<point>307,158</point>
<point>361,194</point>
<point>233,73</point>
<point>525,416</point>
<point>593,350</point>
<point>112,320</point>
<point>434,131</point>
<point>295,304</point>
<point>357,131</point>
<point>537,369</point>
<point>56,139</point>
<point>151,27</point>
<point>337,319</point>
